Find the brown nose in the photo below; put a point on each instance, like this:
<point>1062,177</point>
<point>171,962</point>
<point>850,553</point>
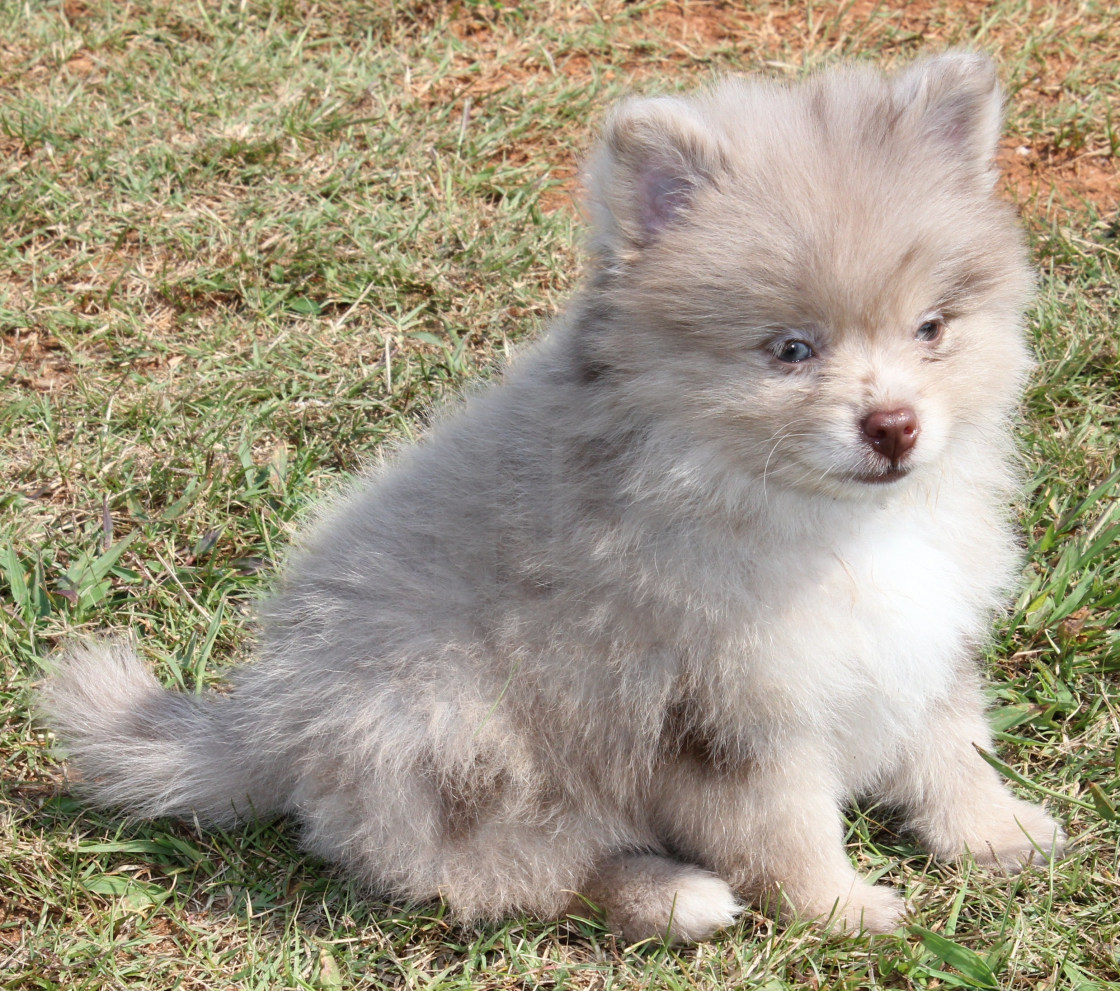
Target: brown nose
<point>891,432</point>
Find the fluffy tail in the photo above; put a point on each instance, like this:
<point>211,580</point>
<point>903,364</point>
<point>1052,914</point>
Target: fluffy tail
<point>147,750</point>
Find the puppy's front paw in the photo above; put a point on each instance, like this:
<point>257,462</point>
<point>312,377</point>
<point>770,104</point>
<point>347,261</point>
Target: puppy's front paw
<point>868,908</point>
<point>871,908</point>
<point>1021,834</point>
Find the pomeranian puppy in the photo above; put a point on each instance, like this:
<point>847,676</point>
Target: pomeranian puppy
<point>713,559</point>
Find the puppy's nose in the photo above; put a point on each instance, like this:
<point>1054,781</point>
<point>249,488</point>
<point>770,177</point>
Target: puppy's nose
<point>891,432</point>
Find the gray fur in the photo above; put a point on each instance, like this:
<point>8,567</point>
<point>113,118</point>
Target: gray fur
<point>635,623</point>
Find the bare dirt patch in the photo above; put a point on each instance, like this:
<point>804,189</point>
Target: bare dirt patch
<point>35,360</point>
<point>1041,179</point>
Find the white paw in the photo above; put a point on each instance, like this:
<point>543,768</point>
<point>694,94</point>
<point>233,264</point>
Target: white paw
<point>1023,835</point>
<point>867,908</point>
<point>645,896</point>
<point>702,904</point>
<point>870,908</point>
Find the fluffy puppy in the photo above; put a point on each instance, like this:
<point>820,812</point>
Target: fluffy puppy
<point>713,558</point>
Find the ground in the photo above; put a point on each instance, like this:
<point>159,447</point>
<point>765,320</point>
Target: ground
<point>249,243</point>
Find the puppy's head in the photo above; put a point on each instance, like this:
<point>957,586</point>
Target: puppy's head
<point>815,279</point>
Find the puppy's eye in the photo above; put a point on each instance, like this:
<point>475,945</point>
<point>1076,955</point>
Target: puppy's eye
<point>929,331</point>
<point>793,352</point>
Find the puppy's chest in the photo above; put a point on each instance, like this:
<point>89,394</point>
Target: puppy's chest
<point>858,635</point>
<point>891,611</point>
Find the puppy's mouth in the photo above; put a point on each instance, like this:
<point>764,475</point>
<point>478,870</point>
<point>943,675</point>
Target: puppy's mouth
<point>885,476</point>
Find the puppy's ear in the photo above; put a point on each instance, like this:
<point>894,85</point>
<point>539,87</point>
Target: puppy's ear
<point>654,158</point>
<point>955,100</point>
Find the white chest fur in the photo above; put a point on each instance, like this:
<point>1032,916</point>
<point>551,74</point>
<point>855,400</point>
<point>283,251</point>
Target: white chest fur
<point>850,646</point>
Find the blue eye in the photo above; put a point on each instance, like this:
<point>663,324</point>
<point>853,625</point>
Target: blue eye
<point>794,352</point>
<point>929,332</point>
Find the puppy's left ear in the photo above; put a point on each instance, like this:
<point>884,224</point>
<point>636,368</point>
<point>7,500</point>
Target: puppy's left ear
<point>955,100</point>
<point>655,157</point>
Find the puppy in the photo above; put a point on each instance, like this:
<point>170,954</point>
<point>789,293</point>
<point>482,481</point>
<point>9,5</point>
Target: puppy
<point>715,557</point>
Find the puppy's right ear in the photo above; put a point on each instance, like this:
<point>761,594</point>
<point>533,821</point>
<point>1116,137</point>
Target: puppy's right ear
<point>655,156</point>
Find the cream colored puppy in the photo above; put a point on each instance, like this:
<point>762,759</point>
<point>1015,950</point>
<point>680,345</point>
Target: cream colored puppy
<point>712,560</point>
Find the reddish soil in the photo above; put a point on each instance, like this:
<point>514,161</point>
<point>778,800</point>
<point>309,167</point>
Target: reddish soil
<point>683,35</point>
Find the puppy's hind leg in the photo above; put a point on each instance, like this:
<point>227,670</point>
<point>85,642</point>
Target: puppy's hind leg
<point>646,896</point>
<point>486,856</point>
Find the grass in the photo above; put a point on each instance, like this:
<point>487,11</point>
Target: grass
<point>248,244</point>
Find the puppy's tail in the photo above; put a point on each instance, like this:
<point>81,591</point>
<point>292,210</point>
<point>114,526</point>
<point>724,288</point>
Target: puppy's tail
<point>150,751</point>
